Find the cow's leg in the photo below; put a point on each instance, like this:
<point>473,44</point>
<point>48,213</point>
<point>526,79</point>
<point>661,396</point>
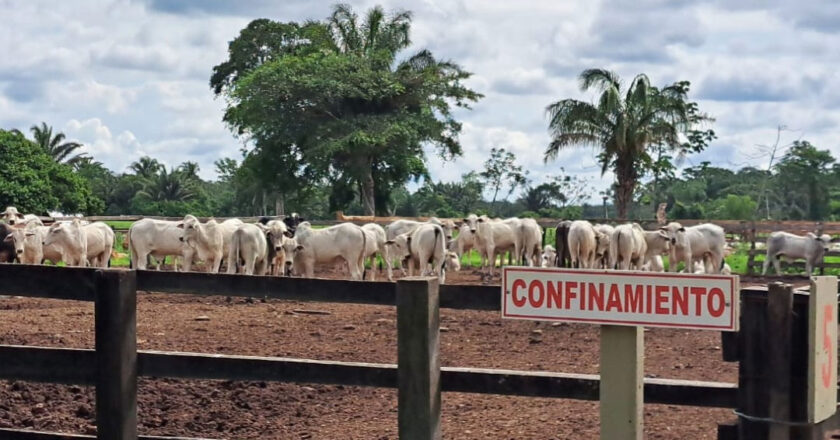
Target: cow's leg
<point>809,266</point>
<point>766,264</point>
<point>777,264</point>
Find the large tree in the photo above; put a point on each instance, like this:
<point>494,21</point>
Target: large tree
<point>804,179</point>
<point>336,96</point>
<point>625,124</point>
<point>33,182</point>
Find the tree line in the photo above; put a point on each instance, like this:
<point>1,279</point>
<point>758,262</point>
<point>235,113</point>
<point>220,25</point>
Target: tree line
<point>336,115</point>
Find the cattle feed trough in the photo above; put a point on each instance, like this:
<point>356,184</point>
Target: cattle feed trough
<point>114,366</point>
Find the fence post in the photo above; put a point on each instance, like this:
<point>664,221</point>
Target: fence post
<point>418,348</point>
<point>779,331</point>
<point>116,354</point>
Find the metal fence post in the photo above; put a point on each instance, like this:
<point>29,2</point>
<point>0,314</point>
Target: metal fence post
<point>418,348</point>
<point>116,354</point>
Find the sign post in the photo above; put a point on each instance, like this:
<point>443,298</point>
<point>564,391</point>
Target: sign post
<point>822,349</point>
<point>622,303</point>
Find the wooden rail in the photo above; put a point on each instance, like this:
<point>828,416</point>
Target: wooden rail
<point>115,364</point>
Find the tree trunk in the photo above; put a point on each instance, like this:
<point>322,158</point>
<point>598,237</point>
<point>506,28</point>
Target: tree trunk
<point>626,175</point>
<point>368,202</point>
<point>280,204</point>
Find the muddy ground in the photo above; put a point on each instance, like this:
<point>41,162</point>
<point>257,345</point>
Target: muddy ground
<point>220,409</point>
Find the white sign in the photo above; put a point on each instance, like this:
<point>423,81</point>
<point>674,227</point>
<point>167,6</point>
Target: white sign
<point>689,301</point>
<point>822,349</point>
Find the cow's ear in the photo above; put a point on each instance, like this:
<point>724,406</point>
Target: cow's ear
<point>8,238</point>
<point>481,219</point>
<point>389,242</point>
<point>299,247</point>
<point>19,215</point>
<point>465,221</point>
<point>681,230</point>
<point>180,225</point>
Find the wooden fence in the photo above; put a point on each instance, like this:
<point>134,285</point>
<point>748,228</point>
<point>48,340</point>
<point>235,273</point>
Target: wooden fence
<point>115,364</point>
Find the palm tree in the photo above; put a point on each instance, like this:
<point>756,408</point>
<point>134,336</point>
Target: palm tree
<point>146,167</point>
<point>624,124</point>
<point>54,145</point>
<point>167,186</point>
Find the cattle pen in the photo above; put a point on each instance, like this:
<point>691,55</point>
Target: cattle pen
<point>115,364</point>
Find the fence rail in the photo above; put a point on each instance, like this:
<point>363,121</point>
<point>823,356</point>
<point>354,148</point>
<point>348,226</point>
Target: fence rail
<point>115,364</point>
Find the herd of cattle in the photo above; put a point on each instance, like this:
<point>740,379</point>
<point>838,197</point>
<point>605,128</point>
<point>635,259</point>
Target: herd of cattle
<point>289,245</point>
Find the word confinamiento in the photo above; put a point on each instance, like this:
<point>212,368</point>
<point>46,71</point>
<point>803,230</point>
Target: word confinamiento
<point>619,297</point>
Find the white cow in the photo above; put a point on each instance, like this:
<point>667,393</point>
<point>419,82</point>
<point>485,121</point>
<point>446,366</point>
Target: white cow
<point>344,241</point>
<point>700,268</point>
<point>531,235</point>
<point>248,250</point>
<point>403,226</point>
<point>583,242</point>
<point>549,256</point>
<point>628,247</point>
<point>276,231</point>
<point>374,244</point>
<point>603,249</point>
<point>464,242</point>
<point>785,245</point>
<point>694,242</point>
<point>658,244</point>
<point>29,244</point>
<point>205,240</point>
<point>494,237</point>
<point>289,247</point>
<point>82,244</point>
<point>452,261</point>
<point>424,246</point>
<point>156,238</point>
<point>13,217</point>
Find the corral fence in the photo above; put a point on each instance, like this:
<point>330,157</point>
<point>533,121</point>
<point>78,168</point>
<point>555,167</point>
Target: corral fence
<point>115,364</point>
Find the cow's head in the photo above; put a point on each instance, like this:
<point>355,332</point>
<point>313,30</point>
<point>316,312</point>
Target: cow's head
<point>675,231</point>
<point>400,247</point>
<point>289,249</point>
<point>17,237</point>
<point>191,228</point>
<point>549,255</point>
<point>292,222</point>
<point>472,222</point>
<point>11,215</point>
<point>448,228</point>
<point>451,261</point>
<point>67,234</point>
<point>275,231</point>
<point>823,240</point>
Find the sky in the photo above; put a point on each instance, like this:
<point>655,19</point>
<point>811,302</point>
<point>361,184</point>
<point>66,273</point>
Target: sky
<point>129,78</point>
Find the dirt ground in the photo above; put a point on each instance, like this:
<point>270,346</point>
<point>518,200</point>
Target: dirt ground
<point>240,410</point>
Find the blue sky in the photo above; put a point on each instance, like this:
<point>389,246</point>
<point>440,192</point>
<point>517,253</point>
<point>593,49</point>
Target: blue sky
<point>130,78</point>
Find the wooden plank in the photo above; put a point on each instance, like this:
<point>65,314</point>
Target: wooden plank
<point>25,434</point>
<point>622,376</point>
<point>74,283</point>
<point>300,289</point>
<point>77,366</point>
<point>309,289</point>
<point>418,356</point>
<point>254,368</point>
<point>49,365</point>
<point>116,355</point>
<point>779,329</point>
<point>822,349</point>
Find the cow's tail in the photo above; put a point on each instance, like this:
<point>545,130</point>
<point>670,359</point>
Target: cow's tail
<point>132,255</point>
<point>615,249</point>
<point>439,238</point>
<point>233,254</point>
<point>363,253</point>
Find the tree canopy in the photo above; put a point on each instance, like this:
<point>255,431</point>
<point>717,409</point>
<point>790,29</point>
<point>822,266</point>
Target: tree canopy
<point>624,124</point>
<point>336,97</point>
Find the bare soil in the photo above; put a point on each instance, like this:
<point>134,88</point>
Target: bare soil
<point>246,410</point>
